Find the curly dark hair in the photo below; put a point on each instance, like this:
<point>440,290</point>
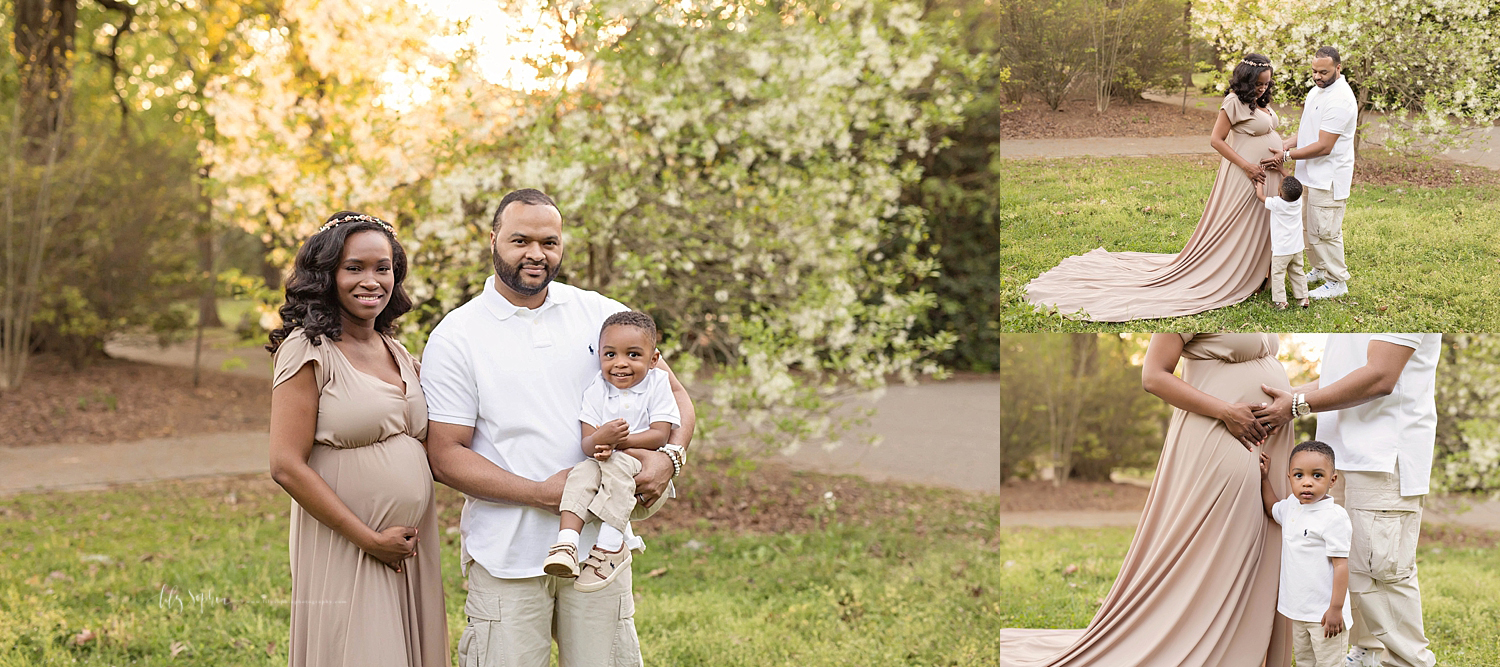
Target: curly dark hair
<point>311,301</point>
<point>1291,188</point>
<point>1242,81</point>
<point>1318,447</point>
<point>631,318</point>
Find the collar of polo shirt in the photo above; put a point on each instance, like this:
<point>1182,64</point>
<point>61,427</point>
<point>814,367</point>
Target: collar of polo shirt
<point>504,309</point>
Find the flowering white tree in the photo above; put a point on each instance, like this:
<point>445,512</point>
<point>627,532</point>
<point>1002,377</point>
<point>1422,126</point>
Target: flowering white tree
<point>1468,400</point>
<point>338,108</point>
<point>733,168</point>
<point>1432,66</point>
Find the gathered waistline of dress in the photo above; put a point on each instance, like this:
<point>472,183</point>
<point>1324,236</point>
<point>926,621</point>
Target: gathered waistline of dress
<point>397,436</point>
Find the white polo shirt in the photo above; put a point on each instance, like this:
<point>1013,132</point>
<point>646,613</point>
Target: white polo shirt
<point>1286,225</point>
<point>1400,427</point>
<point>1310,535</point>
<point>1332,109</point>
<point>650,400</point>
<point>516,375</point>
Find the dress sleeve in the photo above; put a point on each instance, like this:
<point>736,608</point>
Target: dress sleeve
<point>1238,111</point>
<point>294,353</point>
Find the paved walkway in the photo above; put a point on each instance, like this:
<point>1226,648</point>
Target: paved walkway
<point>1484,515</point>
<point>940,434</point>
<point>1483,152</point>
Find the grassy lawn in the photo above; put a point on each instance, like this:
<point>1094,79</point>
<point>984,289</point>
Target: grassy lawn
<point>195,573</point>
<point>1420,242</point>
<point>1460,587</point>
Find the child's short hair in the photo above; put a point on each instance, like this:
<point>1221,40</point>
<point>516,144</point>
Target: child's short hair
<point>631,318</point>
<point>1316,446</point>
<point>1291,189</point>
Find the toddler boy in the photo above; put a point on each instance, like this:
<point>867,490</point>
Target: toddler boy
<point>1315,535</point>
<point>1286,241</point>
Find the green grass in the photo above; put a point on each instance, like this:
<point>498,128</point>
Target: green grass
<point>148,569</point>
<point>1460,587</point>
<point>1423,258</point>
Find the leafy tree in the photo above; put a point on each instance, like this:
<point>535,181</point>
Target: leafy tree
<point>1467,456</point>
<point>736,170</point>
<point>959,187</point>
<point>1077,399</point>
<point>1434,68</point>
<point>1046,45</point>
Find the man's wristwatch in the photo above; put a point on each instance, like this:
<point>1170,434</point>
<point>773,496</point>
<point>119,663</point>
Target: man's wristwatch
<point>678,456</point>
<point>1286,154</point>
<point>1299,406</point>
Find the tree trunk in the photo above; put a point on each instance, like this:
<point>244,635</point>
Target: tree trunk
<point>1080,356</point>
<point>44,32</point>
<point>1187,52</point>
<point>208,307</point>
<point>1359,114</point>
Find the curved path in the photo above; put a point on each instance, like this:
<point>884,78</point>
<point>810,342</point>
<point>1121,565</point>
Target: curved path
<point>937,434</point>
<point>1483,152</point>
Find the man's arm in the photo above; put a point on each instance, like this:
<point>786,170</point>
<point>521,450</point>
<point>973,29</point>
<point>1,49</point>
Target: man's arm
<point>1319,148</point>
<point>656,467</point>
<point>1376,379</point>
<point>457,466</point>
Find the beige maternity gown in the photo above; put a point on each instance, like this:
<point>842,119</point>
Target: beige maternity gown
<point>1224,262</point>
<point>1198,585</point>
<point>348,608</point>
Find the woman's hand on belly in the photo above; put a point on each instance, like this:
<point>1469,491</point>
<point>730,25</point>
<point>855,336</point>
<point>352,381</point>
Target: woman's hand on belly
<point>1240,419</point>
<point>392,545</point>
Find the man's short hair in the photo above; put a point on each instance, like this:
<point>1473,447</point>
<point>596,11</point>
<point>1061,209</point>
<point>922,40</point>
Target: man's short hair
<point>530,196</point>
<point>1328,52</point>
<point>631,318</point>
<point>1316,446</point>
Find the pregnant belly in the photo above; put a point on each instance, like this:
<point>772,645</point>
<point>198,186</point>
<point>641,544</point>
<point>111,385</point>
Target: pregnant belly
<point>1236,382</point>
<point>1254,148</point>
<point>385,484</point>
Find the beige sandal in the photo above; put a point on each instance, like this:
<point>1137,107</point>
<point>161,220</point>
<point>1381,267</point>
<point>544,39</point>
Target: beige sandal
<point>562,561</point>
<point>601,569</point>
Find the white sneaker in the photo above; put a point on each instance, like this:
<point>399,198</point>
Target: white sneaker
<point>1315,276</point>
<point>1329,290</point>
<point>1358,656</point>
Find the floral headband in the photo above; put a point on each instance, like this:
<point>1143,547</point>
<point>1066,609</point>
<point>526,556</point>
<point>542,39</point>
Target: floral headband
<point>1254,64</point>
<point>356,218</point>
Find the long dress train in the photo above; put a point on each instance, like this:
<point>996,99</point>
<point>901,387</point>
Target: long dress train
<point>1198,585</point>
<point>1224,262</point>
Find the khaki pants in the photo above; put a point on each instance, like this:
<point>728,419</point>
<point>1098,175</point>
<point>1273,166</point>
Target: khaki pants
<point>1279,266</point>
<point>1323,229</point>
<point>1313,649</point>
<point>1384,597</point>
<point>512,623</point>
<point>605,490</point>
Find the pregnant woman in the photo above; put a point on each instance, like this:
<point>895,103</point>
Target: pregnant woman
<point>1198,585</point>
<point>1229,254</point>
<point>347,423</point>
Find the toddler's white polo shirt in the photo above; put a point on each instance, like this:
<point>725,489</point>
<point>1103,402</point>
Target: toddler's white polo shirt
<point>1310,535</point>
